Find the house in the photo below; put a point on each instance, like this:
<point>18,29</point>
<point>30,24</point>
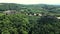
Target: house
<point>34,14</point>
<point>58,17</point>
<point>39,14</point>
<point>9,12</point>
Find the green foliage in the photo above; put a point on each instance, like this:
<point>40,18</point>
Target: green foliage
<point>23,24</point>
<point>38,8</point>
<point>10,24</point>
<point>20,23</point>
<point>48,18</point>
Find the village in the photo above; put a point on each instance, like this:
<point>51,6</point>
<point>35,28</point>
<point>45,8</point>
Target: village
<point>29,14</point>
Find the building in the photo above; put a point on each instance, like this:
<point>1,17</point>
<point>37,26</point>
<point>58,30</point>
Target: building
<point>58,17</point>
<point>9,12</point>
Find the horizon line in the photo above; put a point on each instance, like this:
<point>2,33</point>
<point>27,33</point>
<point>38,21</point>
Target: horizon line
<point>35,4</point>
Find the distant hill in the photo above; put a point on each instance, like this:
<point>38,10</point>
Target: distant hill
<point>31,8</point>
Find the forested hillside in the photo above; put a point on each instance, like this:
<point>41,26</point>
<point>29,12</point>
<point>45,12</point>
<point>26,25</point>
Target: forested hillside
<point>35,8</point>
<point>15,19</point>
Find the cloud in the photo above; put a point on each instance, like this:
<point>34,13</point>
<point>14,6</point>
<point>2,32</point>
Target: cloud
<point>31,1</point>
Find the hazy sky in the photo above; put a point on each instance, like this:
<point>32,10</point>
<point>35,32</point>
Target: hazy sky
<point>31,1</point>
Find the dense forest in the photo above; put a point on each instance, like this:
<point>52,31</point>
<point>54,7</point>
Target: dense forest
<point>13,19</point>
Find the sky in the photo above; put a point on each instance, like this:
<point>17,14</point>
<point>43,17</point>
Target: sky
<point>31,1</point>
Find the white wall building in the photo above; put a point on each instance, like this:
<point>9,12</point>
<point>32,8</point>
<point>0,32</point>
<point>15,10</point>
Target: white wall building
<point>58,17</point>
